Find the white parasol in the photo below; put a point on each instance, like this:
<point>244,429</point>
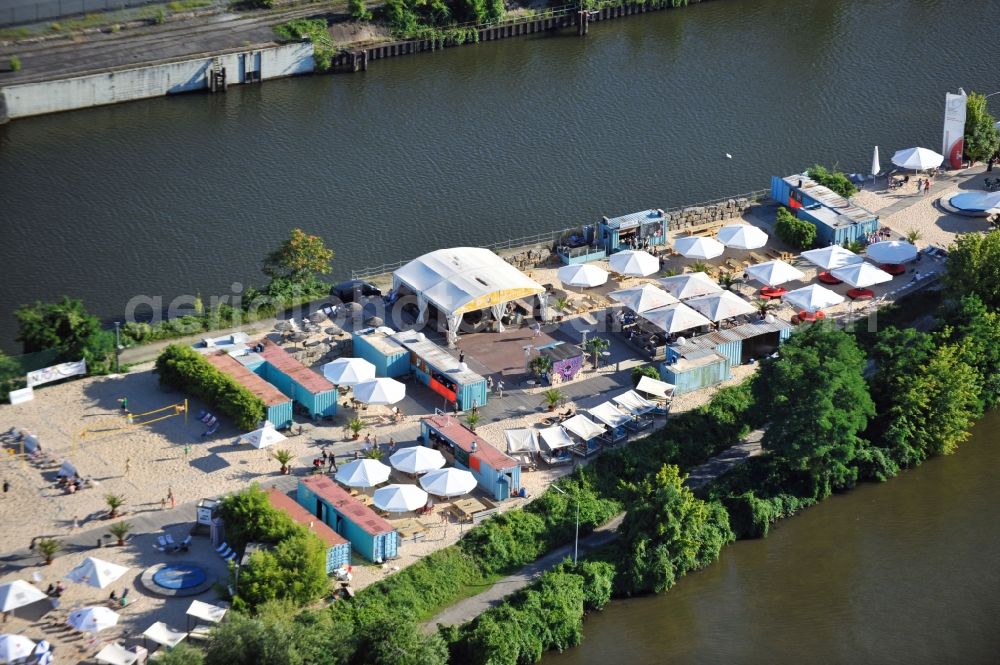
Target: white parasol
<point>15,647</point>
<point>891,251</point>
<point>635,263</point>
<point>96,572</point>
<point>719,306</point>
<point>363,473</point>
<point>831,257</point>
<point>380,391</point>
<point>741,236</point>
<point>812,298</point>
<point>18,594</point>
<point>263,437</point>
<point>675,318</point>
<point>399,498</point>
<point>774,272</point>
<point>417,459</point>
<point>448,482</point>
<point>690,285</point>
<point>693,247</point>
<point>92,619</point>
<point>582,275</point>
<point>861,275</point>
<point>642,298</point>
<point>918,159</point>
<point>349,371</point>
<point>876,167</point>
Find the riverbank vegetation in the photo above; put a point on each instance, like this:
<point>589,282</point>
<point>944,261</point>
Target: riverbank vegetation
<point>982,139</point>
<point>316,31</point>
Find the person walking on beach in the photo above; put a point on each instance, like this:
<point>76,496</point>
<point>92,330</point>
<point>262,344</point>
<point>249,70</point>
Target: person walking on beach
<point>124,402</point>
<point>6,485</point>
<point>461,356</point>
<point>500,388</point>
<point>920,185</point>
<point>927,186</point>
<point>128,464</point>
<point>170,497</point>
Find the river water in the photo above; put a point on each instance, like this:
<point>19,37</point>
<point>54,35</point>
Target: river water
<point>901,572</point>
<point>184,195</point>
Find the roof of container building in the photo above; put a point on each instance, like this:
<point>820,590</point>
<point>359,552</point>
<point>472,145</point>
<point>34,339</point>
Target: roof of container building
<point>561,351</point>
<point>695,359</point>
<point>830,199</point>
<point>286,504</point>
<point>342,501</point>
<point>635,219</point>
<point>463,437</point>
<point>278,358</point>
<point>434,355</point>
<point>713,339</point>
<point>380,341</point>
<point>246,378</point>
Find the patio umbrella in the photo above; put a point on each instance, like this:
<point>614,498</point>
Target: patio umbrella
<point>690,285</point>
<point>812,298</point>
<point>642,298</point>
<point>380,391</point>
<point>775,272</point>
<point>92,619</point>
<point>831,257</point>
<point>741,236</point>
<point>263,437</point>
<point>675,318</point>
<point>18,594</point>
<point>96,572</point>
<point>876,167</point>
<point>399,498</point>
<point>861,275</point>
<point>918,159</point>
<point>448,482</point>
<point>417,459</point>
<point>582,275</point>
<point>693,247</point>
<point>14,648</point>
<point>891,251</point>
<point>635,263</point>
<point>349,371</point>
<point>317,317</point>
<point>722,305</point>
<point>363,473</point>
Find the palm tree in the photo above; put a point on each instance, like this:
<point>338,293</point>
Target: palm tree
<point>373,453</point>
<point>765,306</point>
<point>913,236</point>
<point>356,425</point>
<point>48,547</point>
<point>699,266</point>
<point>283,457</point>
<point>727,280</point>
<point>594,346</point>
<point>561,305</point>
<point>552,397</point>
<point>855,246</point>
<point>670,272</point>
<point>114,501</point>
<point>472,420</point>
<point>119,530</point>
<point>540,366</point>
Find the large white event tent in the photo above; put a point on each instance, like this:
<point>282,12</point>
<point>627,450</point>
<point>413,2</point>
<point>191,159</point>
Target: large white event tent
<point>642,298</point>
<point>812,298</point>
<point>348,371</point>
<point>891,251</point>
<point>831,257</point>
<point>634,262</point>
<point>96,572</point>
<point>610,415</point>
<point>861,275</point>
<point>582,275</point>
<point>741,236</point>
<point>918,159</point>
<point>521,440</point>
<point>690,285</point>
<point>719,306</point>
<point>583,427</point>
<point>774,272</point>
<point>464,279</point>
<point>675,318</point>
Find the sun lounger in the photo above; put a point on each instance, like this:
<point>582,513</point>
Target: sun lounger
<point>170,540</point>
<point>224,550</point>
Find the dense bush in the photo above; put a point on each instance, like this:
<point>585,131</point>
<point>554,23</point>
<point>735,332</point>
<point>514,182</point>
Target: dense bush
<point>315,30</point>
<point>506,542</point>
<point>794,231</point>
<point>833,180</point>
<point>184,368</point>
<point>67,327</point>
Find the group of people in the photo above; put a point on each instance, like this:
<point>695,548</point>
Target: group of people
<point>876,236</point>
<point>325,460</point>
<point>72,484</point>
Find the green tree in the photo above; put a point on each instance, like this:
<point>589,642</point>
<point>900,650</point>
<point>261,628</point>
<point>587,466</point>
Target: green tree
<point>11,375</point>
<point>249,516</point>
<point>796,232</point>
<point>358,11</point>
<point>982,140</point>
<point>540,366</point>
<point>974,266</point>
<point>978,330</point>
<point>644,370</point>
<point>817,403</point>
<point>68,327</point>
<point>182,654</point>
<point>299,260</point>
<point>294,569</point>
<point>398,641</point>
<point>833,180</point>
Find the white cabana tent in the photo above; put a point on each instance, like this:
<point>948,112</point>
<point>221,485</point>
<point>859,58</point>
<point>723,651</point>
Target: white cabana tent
<point>918,159</point>
<point>741,236</point>
<point>15,647</point>
<point>690,285</point>
<point>115,654</point>
<point>417,459</point>
<point>831,257</point>
<point>206,612</point>
<point>363,473</point>
<point>695,247</point>
<point>399,498</point>
<point>675,318</point>
<point>18,594</point>
<point>812,298</point>
<point>348,371</point>
<point>634,403</point>
<point>522,440</point>
<point>96,572</point>
<point>861,275</point>
<point>891,251</point>
<point>610,415</point>
<point>92,619</point>
<point>164,635</point>
<point>464,279</point>
<point>642,298</point>
<point>719,306</point>
<point>583,427</point>
<point>555,437</point>
<point>655,387</point>
<point>583,275</point>
<point>448,482</point>
<point>382,390</point>
<point>634,262</point>
<point>774,272</point>
<point>263,437</point>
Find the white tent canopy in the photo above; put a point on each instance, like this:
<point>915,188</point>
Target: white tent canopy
<point>583,427</point>
<point>363,473</point>
<point>417,459</point>
<point>555,437</point>
<point>918,159</point>
<point>263,437</point>
<point>399,498</point>
<point>774,272</point>
<point>741,236</point>
<point>18,594</point>
<point>690,285</point>
<point>448,482</point>
<point>348,371</point>
<point>831,257</point>
<point>96,572</point>
<point>636,263</point>
<point>675,318</point>
<point>651,386</point>
<point>115,654</point>
<point>206,611</point>
<point>861,275</point>
<point>812,298</point>
<point>463,279</point>
<point>633,403</point>
<point>695,247</point>
<point>14,648</point>
<point>92,619</point>
<point>522,440</point>
<point>642,298</point>
<point>719,306</point>
<point>891,251</point>
<point>164,635</point>
<point>380,391</point>
<point>609,414</point>
<point>582,274</point>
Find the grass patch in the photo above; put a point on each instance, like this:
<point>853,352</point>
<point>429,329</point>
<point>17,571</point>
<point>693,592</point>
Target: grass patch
<point>184,5</point>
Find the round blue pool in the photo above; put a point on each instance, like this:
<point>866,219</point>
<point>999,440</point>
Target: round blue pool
<point>976,203</point>
<point>179,576</point>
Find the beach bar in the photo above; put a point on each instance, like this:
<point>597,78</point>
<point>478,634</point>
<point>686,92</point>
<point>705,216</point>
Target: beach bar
<point>634,231</point>
<point>279,406</point>
<point>301,384</point>
<point>836,219</point>
<point>497,473</point>
<point>370,535</point>
<point>441,372</point>
<point>378,348</point>
<point>338,549</point>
